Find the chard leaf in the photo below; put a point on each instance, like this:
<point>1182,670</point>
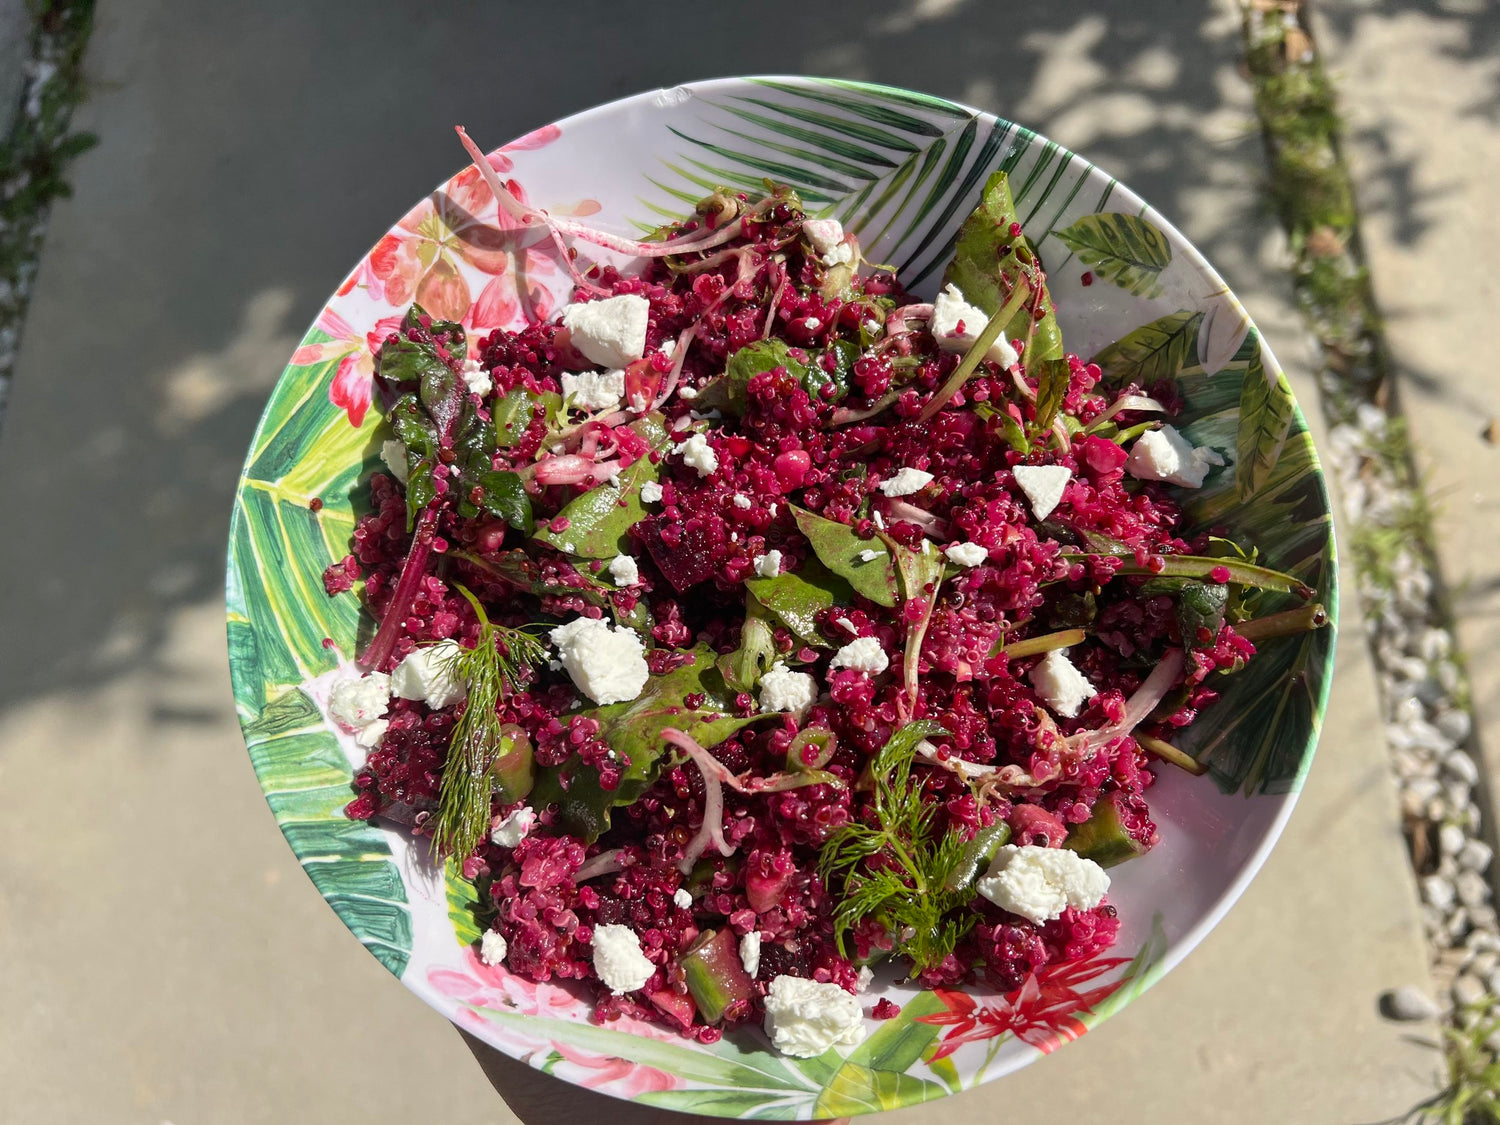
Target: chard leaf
<point>1123,249</point>
<point>844,353</point>
<point>1053,377</point>
<point>985,252</point>
<point>633,729</point>
<point>513,416</point>
<point>504,497</point>
<point>917,570</point>
<point>727,393</point>
<point>420,439</point>
<point>839,549</point>
<point>795,597</point>
<point>743,668</point>
<point>1201,606</point>
<point>600,520</point>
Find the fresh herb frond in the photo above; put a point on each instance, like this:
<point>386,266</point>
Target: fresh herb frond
<point>894,870</point>
<point>497,664</point>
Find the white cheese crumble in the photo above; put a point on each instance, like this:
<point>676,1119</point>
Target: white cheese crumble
<point>698,454</point>
<point>768,565</point>
<point>804,1018</point>
<point>863,980</point>
<point>863,655</point>
<point>514,827</point>
<point>781,689</point>
<point>877,517</point>
<point>611,332</point>
<point>687,394</point>
<point>750,952</point>
<point>966,554</point>
<point>624,570</point>
<point>823,234</point>
<point>619,960</point>
<point>424,675</point>
<point>594,390</point>
<point>1039,883</point>
<point>906,482</point>
<point>359,701</point>
<point>393,453</point>
<point>1060,684</point>
<point>951,310</point>
<point>1165,455</point>
<point>867,555</point>
<point>1043,485</point>
<point>682,899</point>
<point>650,492</point>
<point>476,378</point>
<point>492,948</point>
<point>840,255</point>
<point>743,502</point>
<point>607,665</point>
<point>371,734</point>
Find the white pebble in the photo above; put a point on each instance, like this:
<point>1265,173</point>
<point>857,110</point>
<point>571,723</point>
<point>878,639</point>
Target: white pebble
<point>1408,1004</point>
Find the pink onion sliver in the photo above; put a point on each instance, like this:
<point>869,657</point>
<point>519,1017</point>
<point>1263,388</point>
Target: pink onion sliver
<point>605,863</point>
<point>1151,692</point>
<point>714,774</point>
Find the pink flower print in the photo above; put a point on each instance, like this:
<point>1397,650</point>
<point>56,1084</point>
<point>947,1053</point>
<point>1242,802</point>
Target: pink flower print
<point>624,1078</point>
<point>354,382</point>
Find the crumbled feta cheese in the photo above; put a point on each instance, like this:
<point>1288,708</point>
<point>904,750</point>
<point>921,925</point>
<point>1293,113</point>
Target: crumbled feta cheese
<point>619,960</point>
<point>956,324</point>
<point>607,665</point>
<point>862,655</point>
<point>879,520</point>
<point>514,827</point>
<point>359,700</point>
<point>624,570</point>
<point>823,234</point>
<point>840,255</point>
<point>750,952</point>
<point>424,674</point>
<point>781,689</point>
<point>682,899</point>
<point>1039,883</point>
<point>966,554</point>
<point>804,1018</point>
<point>492,948</point>
<point>867,555</point>
<point>611,332</point>
<point>594,390</point>
<point>370,735</point>
<point>863,980</point>
<point>476,378</point>
<point>687,394</point>
<point>698,454</point>
<point>768,565</point>
<point>650,492</point>
<point>906,482</point>
<point>743,502</point>
<point>1061,685</point>
<point>1165,455</point>
<point>570,548</point>
<point>1043,485</point>
<point>393,453</point>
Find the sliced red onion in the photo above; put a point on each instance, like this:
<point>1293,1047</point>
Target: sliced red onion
<point>715,773</point>
<point>1151,692</point>
<point>605,863</point>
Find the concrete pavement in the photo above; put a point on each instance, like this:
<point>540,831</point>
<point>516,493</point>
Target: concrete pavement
<point>161,956</point>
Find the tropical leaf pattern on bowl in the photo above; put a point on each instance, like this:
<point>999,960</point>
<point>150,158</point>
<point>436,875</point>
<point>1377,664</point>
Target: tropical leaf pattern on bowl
<point>902,169</point>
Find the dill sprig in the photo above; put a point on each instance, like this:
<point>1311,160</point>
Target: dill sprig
<point>899,870</point>
<point>495,666</point>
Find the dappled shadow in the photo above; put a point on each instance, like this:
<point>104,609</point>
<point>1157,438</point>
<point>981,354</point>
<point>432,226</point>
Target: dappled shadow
<point>206,231</point>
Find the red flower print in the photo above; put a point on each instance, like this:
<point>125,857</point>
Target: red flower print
<point>1043,1012</point>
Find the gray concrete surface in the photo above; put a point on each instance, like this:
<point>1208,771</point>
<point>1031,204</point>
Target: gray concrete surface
<point>15,45</point>
<point>161,956</point>
<point>1424,145</point>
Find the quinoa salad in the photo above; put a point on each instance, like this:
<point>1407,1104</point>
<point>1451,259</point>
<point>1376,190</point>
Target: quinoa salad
<point>751,624</point>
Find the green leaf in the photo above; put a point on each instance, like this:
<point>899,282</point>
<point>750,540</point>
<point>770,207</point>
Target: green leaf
<point>1266,409</point>
<point>600,520</point>
<point>633,729</point>
<point>743,668</point>
<point>505,498</point>
<point>1201,606</point>
<point>1159,350</point>
<point>1123,249</point>
<point>464,904</point>
<point>796,597</point>
<point>1053,377</point>
<point>513,416</point>
<point>978,266</point>
<point>916,570</point>
<point>727,393</point>
<point>839,549</point>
